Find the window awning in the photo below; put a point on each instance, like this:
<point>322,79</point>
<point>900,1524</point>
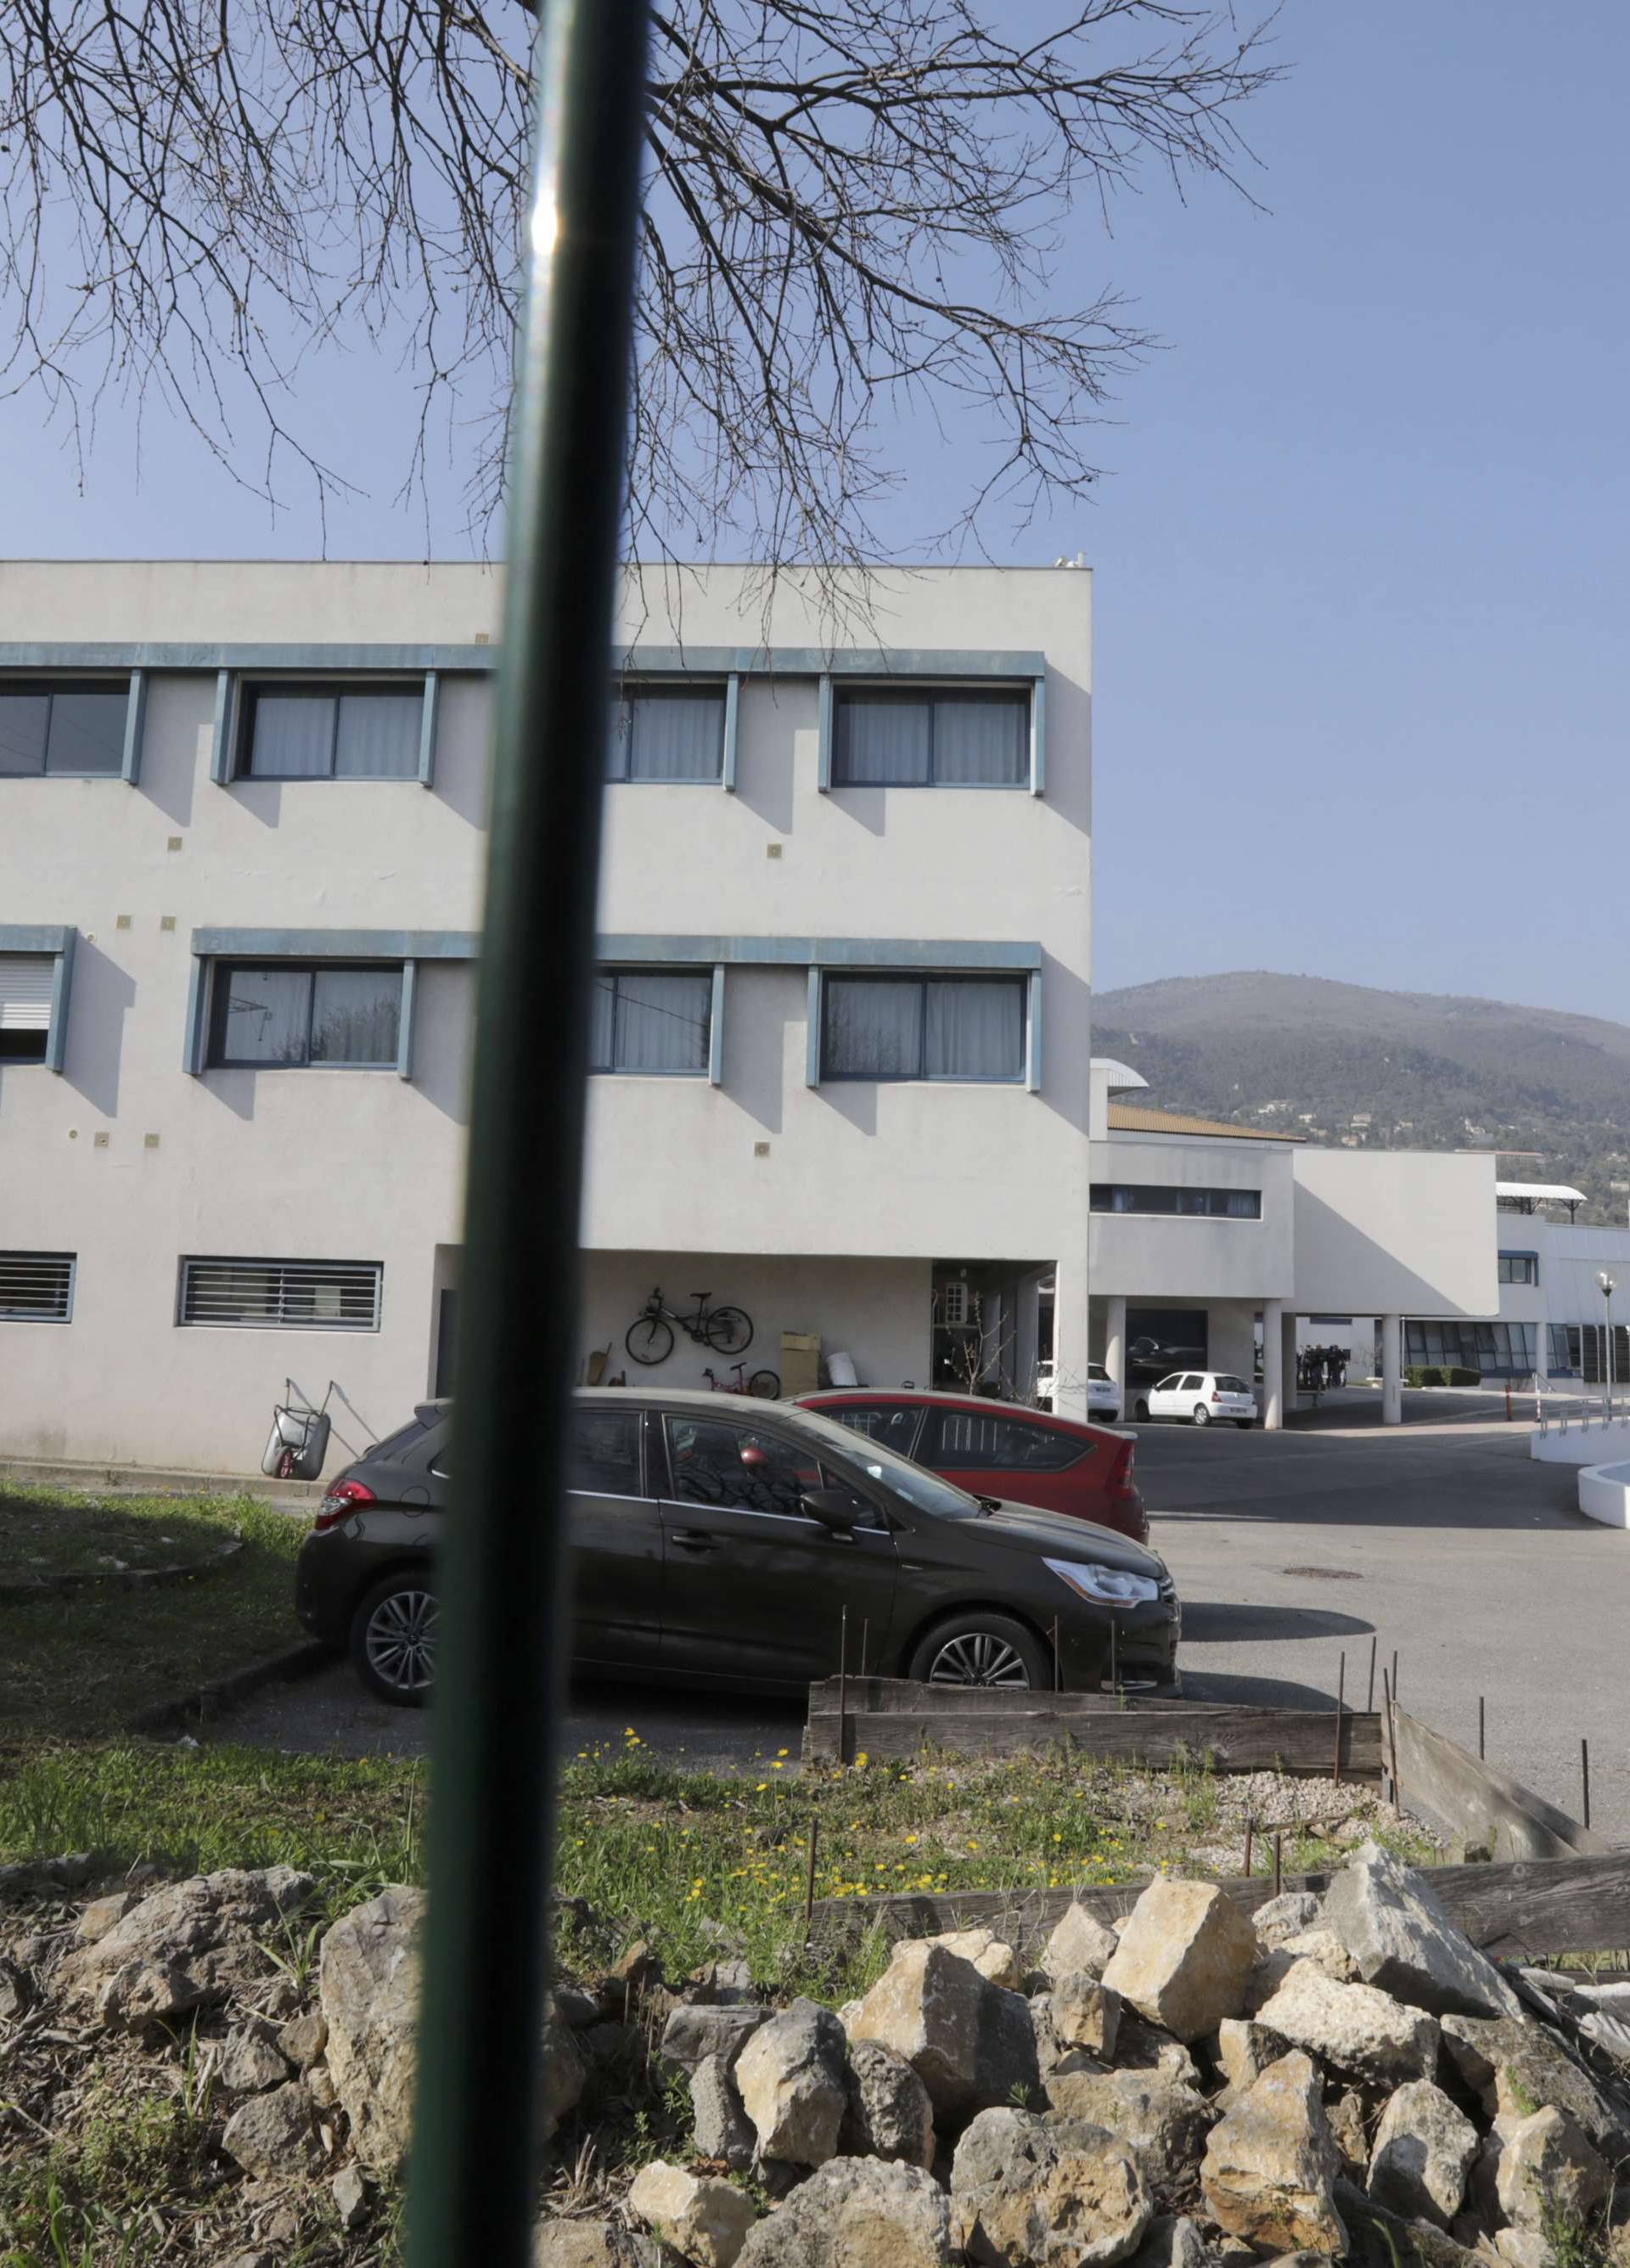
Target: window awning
<point>1541,1192</point>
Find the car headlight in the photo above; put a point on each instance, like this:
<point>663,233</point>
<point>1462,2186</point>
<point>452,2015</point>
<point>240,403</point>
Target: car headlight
<point>1105,1587</point>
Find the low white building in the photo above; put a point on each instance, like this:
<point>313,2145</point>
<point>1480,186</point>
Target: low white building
<point>1553,1314</point>
<point>842,1029</point>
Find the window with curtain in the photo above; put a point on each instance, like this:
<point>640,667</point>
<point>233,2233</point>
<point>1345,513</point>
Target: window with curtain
<point>332,732</point>
<point>667,732</point>
<point>68,727</point>
<point>647,1019</point>
<point>923,1027</point>
<point>291,1015</point>
<point>950,736</point>
<point>1519,1268</point>
<point>1168,1198</point>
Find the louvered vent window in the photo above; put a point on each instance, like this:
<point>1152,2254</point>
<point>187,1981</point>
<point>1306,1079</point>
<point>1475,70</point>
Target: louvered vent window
<point>289,1295</point>
<point>36,1287</point>
<point>26,980</point>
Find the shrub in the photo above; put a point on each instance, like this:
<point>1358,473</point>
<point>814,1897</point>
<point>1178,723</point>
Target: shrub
<point>1465,1378</point>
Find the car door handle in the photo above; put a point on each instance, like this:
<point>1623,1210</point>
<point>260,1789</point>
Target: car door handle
<point>695,1539</point>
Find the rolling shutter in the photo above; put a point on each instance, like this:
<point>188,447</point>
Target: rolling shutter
<point>26,980</point>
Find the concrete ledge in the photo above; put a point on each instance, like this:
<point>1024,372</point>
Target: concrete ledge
<point>118,1579</point>
<point>1585,1441</point>
<point>155,1480</point>
<point>206,1702</point>
<point>1604,1494</point>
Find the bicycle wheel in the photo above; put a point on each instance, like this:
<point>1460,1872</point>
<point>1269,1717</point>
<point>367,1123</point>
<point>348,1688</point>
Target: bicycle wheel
<point>649,1339</point>
<point>728,1330</point>
<point>766,1384</point>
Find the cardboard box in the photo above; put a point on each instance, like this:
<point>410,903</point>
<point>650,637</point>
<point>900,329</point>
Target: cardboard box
<point>800,1362</point>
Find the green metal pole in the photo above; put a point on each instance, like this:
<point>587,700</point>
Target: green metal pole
<point>501,1576</point>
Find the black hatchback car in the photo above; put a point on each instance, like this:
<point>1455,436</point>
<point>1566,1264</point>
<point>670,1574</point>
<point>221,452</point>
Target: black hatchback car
<point>717,1541</point>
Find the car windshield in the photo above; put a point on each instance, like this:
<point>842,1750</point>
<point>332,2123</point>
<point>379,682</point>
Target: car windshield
<point>1099,1376</point>
<point>1232,1386</point>
<point>922,1490</point>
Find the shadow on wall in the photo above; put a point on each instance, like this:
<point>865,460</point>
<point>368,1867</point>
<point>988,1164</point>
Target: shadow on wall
<point>102,996</point>
<point>176,739</point>
<point>763,1051</point>
<point>443,1034</point>
<point>462,733</point>
<point>1369,1277</point>
<point>772,711</point>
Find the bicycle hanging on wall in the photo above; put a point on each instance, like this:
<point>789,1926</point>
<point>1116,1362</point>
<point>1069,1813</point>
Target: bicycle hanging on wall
<point>649,1338</point>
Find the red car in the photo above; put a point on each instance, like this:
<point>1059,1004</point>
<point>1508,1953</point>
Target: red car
<point>1000,1448</point>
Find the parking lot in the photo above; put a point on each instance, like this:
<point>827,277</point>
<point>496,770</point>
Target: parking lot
<point>1443,1540</point>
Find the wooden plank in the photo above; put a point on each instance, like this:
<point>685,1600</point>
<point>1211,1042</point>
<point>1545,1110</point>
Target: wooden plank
<point>908,1695</point>
<point>1468,1797</point>
<point>1532,1907</point>
<point>1235,1739</point>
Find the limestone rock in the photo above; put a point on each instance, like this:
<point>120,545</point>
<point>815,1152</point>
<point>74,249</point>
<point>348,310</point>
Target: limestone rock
<point>321,2086</point>
<point>1172,2242</point>
<point>725,1983</point>
<point>1141,2046</point>
<point>970,2041</point>
<point>350,2193</point>
<point>1423,2150</point>
<point>561,2076</point>
<point>989,1954</point>
<point>598,2243</point>
<point>791,2079</point>
<point>1078,1944</point>
<point>1319,1947</point>
<point>1353,2027</point>
<point>1402,1940</point>
<point>271,2134</point>
<point>1058,2192</point>
<point>1163,2123</point>
<point>17,1991</point>
<point>704,2218</point>
<point>1245,2050</point>
<point>303,2039</point>
<point>1185,1957</point>
<point>183,1946</point>
<point>1270,2164</point>
<point>102,1913</point>
<point>252,2060</point>
<point>1285,1916</point>
<point>856,2213</point>
<point>1547,2167</point>
<point>723,2129</point>
<point>889,2114</point>
<point>368,1988</point>
<point>692,2032</point>
<point>1348,2124</point>
<point>1519,2068</point>
<point>1083,2014</point>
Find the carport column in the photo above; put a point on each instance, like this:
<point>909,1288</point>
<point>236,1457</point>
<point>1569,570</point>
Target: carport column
<point>1274,1363</point>
<point>1391,1370</point>
<point>1115,1341</point>
<point>1069,1338</point>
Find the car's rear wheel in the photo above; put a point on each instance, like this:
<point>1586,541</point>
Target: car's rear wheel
<point>393,1640</point>
<point>1142,1412</point>
<point>1245,1424</point>
<point>1202,1416</point>
<point>982,1648</point>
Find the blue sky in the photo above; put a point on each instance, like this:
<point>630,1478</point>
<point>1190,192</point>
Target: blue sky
<point>1362,560</point>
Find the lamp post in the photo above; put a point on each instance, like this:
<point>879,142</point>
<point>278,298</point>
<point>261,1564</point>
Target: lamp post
<point>1608,1289</point>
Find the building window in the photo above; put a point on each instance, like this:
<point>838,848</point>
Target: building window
<point>290,1295</point>
<point>646,1019</point>
<point>27,980</point>
<point>1491,1350</point>
<point>292,1015</point>
<point>1519,1268</point>
<point>330,731</point>
<point>922,1028</point>
<point>961,736</point>
<point>1162,1197</point>
<point>667,732</point>
<point>68,727</point>
<point>36,1287</point>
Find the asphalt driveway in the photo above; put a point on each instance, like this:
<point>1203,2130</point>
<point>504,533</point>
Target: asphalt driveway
<point>1443,1542</point>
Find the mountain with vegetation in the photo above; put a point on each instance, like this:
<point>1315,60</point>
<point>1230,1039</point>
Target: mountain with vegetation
<point>1346,1063</point>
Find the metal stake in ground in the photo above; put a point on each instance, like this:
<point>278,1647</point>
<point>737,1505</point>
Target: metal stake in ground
<point>1480,1728</point>
<point>1370,1698</point>
<point>1279,1860</point>
<point>843,1684</point>
<point>1340,1695</point>
<point>1250,1829</point>
<point>1391,1734</point>
<point>1114,1671</point>
<point>865,1636</point>
<point>1395,1673</point>
<point>1584,1779</point>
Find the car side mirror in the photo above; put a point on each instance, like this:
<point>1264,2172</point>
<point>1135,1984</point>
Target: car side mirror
<point>835,1508</point>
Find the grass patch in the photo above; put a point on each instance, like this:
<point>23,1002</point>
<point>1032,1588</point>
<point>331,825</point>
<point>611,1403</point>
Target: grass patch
<point>86,1663</point>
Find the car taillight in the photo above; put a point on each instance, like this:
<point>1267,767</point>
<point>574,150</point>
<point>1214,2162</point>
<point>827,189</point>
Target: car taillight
<point>344,1497</point>
<point>1120,1478</point>
<point>1215,1396</point>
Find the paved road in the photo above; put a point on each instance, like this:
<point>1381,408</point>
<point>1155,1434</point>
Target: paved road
<point>1445,1542</point>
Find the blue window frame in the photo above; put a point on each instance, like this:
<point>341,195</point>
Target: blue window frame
<point>932,736</point>
<point>64,727</point>
<point>286,1015</point>
<point>902,1027</point>
<point>657,1022</point>
<point>305,729</point>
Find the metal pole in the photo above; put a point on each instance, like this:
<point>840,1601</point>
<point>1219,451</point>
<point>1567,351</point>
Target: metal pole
<point>1584,1779</point>
<point>1370,1698</point>
<point>1479,1727</point>
<point>1279,1860</point>
<point>865,1636</point>
<point>1394,1673</point>
<point>1340,1696</point>
<point>502,1572</point>
<point>1391,1734</point>
<point>1250,1829</point>
<point>843,1684</point>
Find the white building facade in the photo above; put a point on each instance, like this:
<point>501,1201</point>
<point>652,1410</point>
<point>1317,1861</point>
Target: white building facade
<point>842,1007</point>
<point>1554,1314</point>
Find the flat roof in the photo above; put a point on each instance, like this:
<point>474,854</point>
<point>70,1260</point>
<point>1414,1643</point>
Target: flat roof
<point>1132,1118</point>
<point>1542,1192</point>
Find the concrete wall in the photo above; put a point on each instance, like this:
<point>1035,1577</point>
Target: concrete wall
<point>1146,1257</point>
<point>1399,1232</point>
<point>363,1165</point>
<point>1571,1258</point>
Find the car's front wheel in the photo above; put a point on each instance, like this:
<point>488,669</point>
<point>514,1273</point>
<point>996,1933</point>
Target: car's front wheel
<point>982,1648</point>
<point>1202,1416</point>
<point>1142,1412</point>
<point>393,1639</point>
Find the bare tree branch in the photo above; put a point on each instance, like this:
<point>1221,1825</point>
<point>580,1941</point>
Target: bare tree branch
<point>853,217</point>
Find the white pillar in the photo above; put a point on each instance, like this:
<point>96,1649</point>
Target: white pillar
<point>1273,1363</point>
<point>1069,1338</point>
<point>1391,1370</point>
<point>1115,1340</point>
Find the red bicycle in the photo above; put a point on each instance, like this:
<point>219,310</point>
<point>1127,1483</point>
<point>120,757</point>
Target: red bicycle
<point>764,1385</point>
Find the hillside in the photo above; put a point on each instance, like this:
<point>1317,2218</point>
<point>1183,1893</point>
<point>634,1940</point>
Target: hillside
<point>1433,1072</point>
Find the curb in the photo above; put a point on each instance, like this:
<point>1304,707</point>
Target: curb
<point>208,1702</point>
<point>123,1579</point>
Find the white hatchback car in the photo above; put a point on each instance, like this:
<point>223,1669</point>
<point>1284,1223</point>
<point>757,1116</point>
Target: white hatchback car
<point>1203,1397</point>
<point>1103,1395</point>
